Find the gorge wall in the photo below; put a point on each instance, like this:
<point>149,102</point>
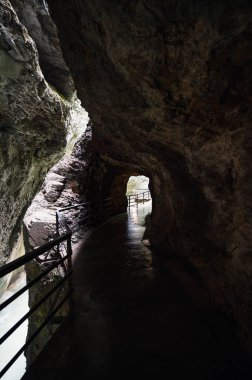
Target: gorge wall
<point>33,125</point>
<point>39,116</point>
<point>168,87</point>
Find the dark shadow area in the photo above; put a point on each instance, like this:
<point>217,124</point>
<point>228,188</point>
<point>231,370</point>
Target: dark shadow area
<point>132,318</point>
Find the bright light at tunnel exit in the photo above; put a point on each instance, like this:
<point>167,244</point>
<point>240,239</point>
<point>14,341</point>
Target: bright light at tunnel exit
<point>137,184</point>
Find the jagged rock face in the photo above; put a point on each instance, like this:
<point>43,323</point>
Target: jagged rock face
<point>107,183</point>
<point>35,16</point>
<point>64,185</point>
<point>32,125</point>
<point>168,86</point>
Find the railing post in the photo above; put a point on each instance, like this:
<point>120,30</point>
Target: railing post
<point>57,231</point>
<point>57,223</point>
<point>69,266</point>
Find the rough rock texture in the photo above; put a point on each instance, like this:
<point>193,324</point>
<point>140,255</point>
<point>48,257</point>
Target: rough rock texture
<point>107,182</point>
<point>35,17</point>
<point>61,188</point>
<point>32,125</point>
<point>168,86</point>
<point>64,185</point>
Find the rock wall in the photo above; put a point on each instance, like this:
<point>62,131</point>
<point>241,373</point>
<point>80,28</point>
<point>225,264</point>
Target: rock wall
<point>107,182</point>
<point>34,15</point>
<point>167,85</point>
<point>64,185</point>
<point>33,125</point>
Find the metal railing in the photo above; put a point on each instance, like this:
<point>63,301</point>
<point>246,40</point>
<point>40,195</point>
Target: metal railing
<point>54,254</point>
<point>24,260</point>
<point>135,199</point>
<point>84,217</point>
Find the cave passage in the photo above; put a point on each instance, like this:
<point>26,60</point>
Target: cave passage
<point>133,316</point>
<point>139,196</point>
<point>167,88</point>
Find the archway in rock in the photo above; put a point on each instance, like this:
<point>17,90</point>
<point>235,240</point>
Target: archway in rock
<point>140,203</point>
<point>138,193</point>
<point>111,182</point>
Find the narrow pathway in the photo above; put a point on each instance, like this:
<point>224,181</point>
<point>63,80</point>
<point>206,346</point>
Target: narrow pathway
<point>134,320</point>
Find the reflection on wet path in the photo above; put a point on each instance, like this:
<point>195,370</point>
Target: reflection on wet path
<point>138,213</point>
<point>133,319</point>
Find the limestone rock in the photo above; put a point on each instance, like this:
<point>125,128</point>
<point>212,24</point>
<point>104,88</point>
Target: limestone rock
<point>58,191</point>
<point>33,125</point>
<point>64,185</point>
<point>53,186</point>
<point>34,15</point>
<point>167,85</point>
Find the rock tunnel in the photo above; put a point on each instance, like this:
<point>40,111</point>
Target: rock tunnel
<point>167,86</point>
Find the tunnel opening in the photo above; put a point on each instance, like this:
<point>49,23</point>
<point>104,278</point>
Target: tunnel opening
<point>138,191</point>
<point>137,184</point>
<point>127,189</point>
<point>139,203</point>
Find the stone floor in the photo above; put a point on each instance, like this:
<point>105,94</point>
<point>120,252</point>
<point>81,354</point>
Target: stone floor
<point>133,319</point>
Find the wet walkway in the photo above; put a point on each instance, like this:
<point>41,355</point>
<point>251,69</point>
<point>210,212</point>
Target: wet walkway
<point>134,320</point>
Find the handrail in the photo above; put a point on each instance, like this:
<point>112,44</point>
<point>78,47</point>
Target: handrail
<point>73,206</point>
<point>19,262</point>
<point>134,199</point>
<point>66,236</point>
<point>30,340</point>
<point>61,220</point>
<point>34,308</point>
<point>31,283</point>
<point>15,264</point>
